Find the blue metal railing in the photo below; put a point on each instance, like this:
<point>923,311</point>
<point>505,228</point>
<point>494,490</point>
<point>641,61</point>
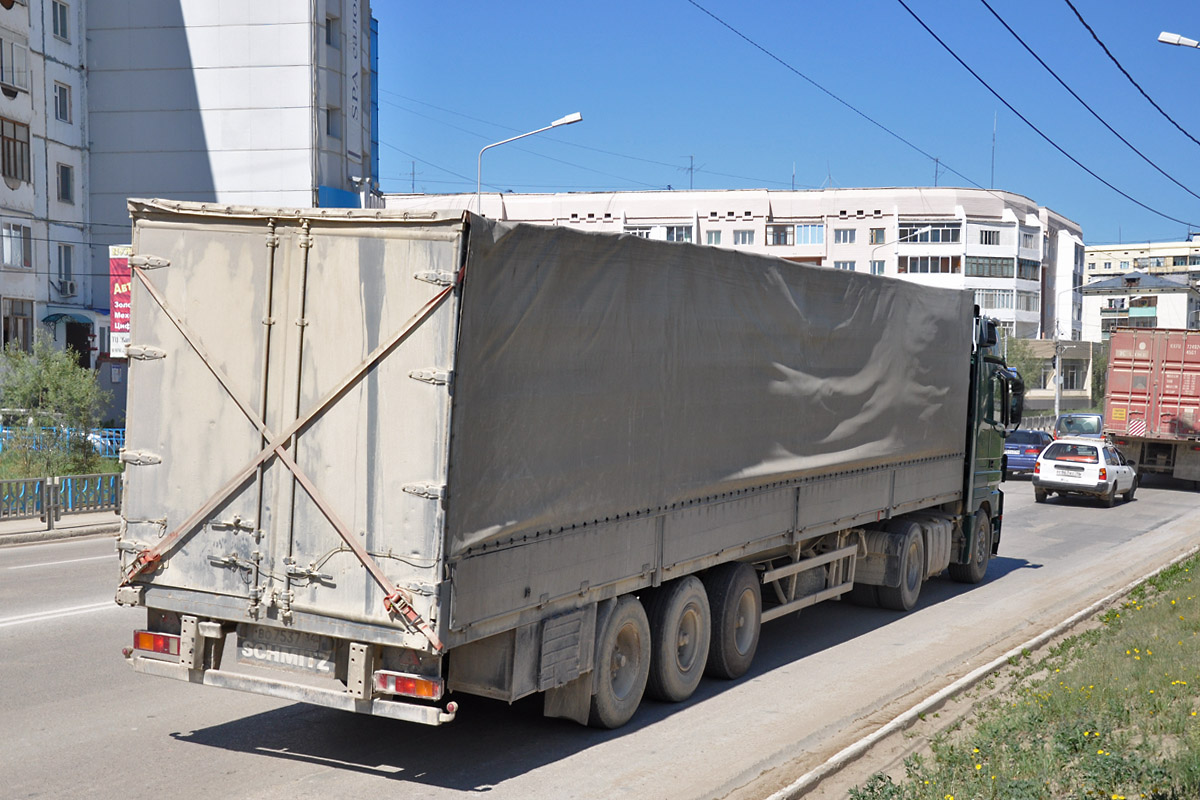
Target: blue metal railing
<point>27,498</point>
<point>107,442</point>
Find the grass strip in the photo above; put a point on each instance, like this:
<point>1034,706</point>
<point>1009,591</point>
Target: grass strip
<point>1113,712</point>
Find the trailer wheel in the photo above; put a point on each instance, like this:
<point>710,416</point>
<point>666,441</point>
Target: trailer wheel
<point>622,665</point>
<point>912,570</point>
<point>680,631</point>
<point>974,571</point>
<point>735,600</point>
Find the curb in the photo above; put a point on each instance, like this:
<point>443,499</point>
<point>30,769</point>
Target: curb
<point>935,701</point>
<point>28,537</point>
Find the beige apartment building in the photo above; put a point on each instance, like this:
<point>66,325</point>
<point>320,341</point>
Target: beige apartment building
<point>1156,258</point>
<point>1023,261</point>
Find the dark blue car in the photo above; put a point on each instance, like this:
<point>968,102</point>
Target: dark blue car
<point>1021,448</point>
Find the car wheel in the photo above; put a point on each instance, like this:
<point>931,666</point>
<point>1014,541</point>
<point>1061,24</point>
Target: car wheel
<point>1040,495</point>
<point>1110,499</point>
<point>1132,488</point>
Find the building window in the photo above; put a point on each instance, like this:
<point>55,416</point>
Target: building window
<point>18,323</point>
<point>843,236</point>
<point>62,102</point>
<point>810,234</point>
<point>1073,372</point>
<point>780,235</point>
<point>1028,269</point>
<point>994,298</point>
<point>14,63</point>
<point>921,264</point>
<point>743,237</point>
<point>1108,265</point>
<point>640,231</point>
<point>14,150</point>
<point>876,267</point>
<point>713,237</point>
<point>333,32</point>
<point>846,265</point>
<point>982,267</point>
<point>877,236</point>
<point>679,233</point>
<point>989,237</point>
<point>1029,301</point>
<point>66,183</point>
<point>934,232</point>
<point>1028,241</point>
<point>18,245</point>
<point>333,122</point>
<point>58,14</point>
<point>66,255</point>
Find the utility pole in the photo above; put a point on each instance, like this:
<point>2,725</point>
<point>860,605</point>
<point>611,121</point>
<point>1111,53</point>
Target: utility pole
<point>936,162</point>
<point>995,116</point>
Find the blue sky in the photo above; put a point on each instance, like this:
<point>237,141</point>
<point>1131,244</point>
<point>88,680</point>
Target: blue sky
<point>663,84</point>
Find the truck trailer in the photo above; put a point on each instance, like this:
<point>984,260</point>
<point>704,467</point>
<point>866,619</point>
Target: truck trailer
<point>1152,399</point>
<point>384,461</point>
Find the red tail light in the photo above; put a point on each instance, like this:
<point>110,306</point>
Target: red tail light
<point>165,643</point>
<point>400,683</point>
<point>1031,451</point>
<point>1103,474</point>
<point>1037,468</point>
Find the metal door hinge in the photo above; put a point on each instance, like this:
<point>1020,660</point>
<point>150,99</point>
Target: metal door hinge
<point>437,277</point>
<point>144,352</point>
<point>149,262</point>
<point>140,458</point>
<point>430,491</point>
<point>438,377</point>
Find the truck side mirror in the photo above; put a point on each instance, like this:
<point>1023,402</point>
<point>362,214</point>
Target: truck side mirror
<point>989,334</point>
<point>1015,405</point>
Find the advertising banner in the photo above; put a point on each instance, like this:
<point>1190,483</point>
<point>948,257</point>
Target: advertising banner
<point>119,284</point>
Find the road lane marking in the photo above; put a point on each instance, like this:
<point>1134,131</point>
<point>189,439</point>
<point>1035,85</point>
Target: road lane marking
<point>45,616</point>
<point>68,561</point>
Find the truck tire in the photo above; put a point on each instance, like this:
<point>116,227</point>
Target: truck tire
<point>735,600</point>
<point>974,571</point>
<point>622,665</point>
<point>680,632</point>
<point>912,570</point>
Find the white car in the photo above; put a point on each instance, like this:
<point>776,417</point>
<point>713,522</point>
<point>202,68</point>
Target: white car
<point>1077,465</point>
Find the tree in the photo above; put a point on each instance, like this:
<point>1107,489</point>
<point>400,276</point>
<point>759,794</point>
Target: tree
<point>1099,375</point>
<point>1020,356</point>
<point>54,404</point>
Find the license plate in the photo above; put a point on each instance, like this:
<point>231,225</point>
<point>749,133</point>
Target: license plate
<point>1074,472</point>
<point>1011,452</point>
<point>285,649</point>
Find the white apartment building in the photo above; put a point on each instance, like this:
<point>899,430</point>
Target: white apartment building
<point>252,103</point>
<point>44,163</point>
<point>1024,262</point>
<point>1139,299</point>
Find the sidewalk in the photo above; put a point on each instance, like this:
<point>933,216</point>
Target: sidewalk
<point>24,531</point>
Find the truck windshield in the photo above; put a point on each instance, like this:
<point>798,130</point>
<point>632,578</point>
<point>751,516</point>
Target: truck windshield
<point>1079,425</point>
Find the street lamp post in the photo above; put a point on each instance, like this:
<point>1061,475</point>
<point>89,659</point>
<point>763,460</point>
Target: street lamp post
<point>567,120</point>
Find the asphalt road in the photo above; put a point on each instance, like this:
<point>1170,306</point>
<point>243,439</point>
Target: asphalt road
<point>75,721</point>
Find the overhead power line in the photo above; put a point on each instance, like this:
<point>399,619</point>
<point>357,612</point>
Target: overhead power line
<point>1035,128</point>
<point>1091,111</point>
<point>818,86</point>
<point>1125,72</point>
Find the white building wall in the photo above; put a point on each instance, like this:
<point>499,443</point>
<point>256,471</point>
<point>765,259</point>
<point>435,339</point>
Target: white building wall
<point>723,214</point>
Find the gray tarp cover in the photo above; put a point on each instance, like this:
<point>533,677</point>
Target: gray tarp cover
<point>599,375</point>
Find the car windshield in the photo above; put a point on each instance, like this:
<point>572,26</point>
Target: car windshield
<point>1081,425</point>
<point>1024,437</point>
<point>1067,451</point>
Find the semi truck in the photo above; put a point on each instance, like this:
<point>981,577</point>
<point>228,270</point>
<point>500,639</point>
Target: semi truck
<point>1152,399</point>
<point>384,462</point>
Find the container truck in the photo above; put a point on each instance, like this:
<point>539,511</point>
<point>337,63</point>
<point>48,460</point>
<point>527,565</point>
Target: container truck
<point>382,462</point>
<point>1152,399</point>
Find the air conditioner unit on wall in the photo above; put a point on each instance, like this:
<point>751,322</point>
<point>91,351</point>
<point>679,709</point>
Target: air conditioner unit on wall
<point>66,288</point>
